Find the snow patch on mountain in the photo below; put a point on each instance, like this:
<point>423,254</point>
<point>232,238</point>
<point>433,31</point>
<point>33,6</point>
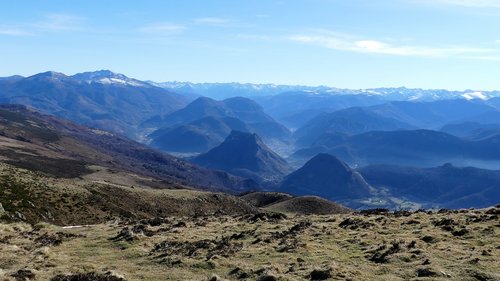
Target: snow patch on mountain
<point>475,95</point>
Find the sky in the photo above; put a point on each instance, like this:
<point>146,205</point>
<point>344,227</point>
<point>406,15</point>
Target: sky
<point>432,44</point>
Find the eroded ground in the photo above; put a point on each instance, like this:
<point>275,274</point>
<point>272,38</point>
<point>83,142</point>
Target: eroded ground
<point>461,245</point>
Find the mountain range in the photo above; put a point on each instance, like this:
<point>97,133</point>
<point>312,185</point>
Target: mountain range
<point>233,137</point>
<point>101,99</point>
<point>205,122</point>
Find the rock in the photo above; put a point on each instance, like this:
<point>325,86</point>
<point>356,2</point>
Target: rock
<point>214,277</point>
<point>267,277</point>
<point>23,274</point>
<point>90,276</point>
<point>428,239</point>
<point>319,274</point>
<point>355,223</point>
<point>460,232</point>
<point>425,272</point>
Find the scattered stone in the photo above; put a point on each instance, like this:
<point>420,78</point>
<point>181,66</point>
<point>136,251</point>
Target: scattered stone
<point>425,272</point>
<point>410,222</point>
<point>242,234</point>
<point>460,232</point>
<point>267,277</point>
<point>492,211</point>
<point>90,276</point>
<point>273,217</point>
<point>402,213</point>
<point>288,245</point>
<point>54,239</point>
<point>180,224</point>
<point>319,274</point>
<point>480,276</point>
<point>412,244</point>
<point>130,234</point>
<point>157,221</point>
<point>376,211</point>
<point>445,223</point>
<point>382,253</point>
<point>23,274</point>
<point>222,247</point>
<point>428,239</point>
<point>355,223</point>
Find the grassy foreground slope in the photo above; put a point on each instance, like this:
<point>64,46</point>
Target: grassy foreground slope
<point>102,195</point>
<point>459,245</point>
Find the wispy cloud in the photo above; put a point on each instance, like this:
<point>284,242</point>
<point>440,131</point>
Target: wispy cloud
<point>370,46</point>
<point>258,37</point>
<point>212,21</point>
<point>466,3</point>
<point>59,22</point>
<point>14,31</point>
<point>48,23</point>
<point>163,28</point>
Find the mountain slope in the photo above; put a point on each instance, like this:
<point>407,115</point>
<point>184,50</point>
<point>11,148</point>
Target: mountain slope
<point>245,154</point>
<point>472,130</point>
<point>420,148</point>
<point>444,186</point>
<point>240,108</point>
<point>349,121</point>
<point>100,99</point>
<point>328,177</point>
<point>200,135</point>
<point>295,108</point>
<point>102,196</point>
<point>396,115</point>
<point>63,149</point>
<point>308,205</point>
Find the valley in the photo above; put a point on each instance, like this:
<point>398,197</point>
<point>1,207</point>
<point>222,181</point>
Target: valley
<point>240,144</point>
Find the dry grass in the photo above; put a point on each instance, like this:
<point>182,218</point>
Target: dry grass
<point>372,247</point>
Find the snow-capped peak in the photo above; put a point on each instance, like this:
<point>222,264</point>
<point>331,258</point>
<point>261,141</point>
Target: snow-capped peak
<point>109,77</point>
<point>474,95</point>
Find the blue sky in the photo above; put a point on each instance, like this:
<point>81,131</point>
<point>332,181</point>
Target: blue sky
<point>452,44</point>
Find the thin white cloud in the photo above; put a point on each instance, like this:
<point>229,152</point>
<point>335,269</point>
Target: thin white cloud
<point>258,37</point>
<point>212,21</point>
<point>13,31</point>
<point>49,23</point>
<point>466,3</point>
<point>59,22</point>
<point>486,58</point>
<point>369,46</point>
<point>163,28</point>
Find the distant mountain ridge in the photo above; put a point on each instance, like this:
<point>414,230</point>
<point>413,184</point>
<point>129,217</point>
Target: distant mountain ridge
<point>445,186</point>
<point>225,90</point>
<point>395,116</point>
<point>245,155</point>
<point>327,176</point>
<point>100,99</point>
<point>207,122</point>
<point>420,148</point>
